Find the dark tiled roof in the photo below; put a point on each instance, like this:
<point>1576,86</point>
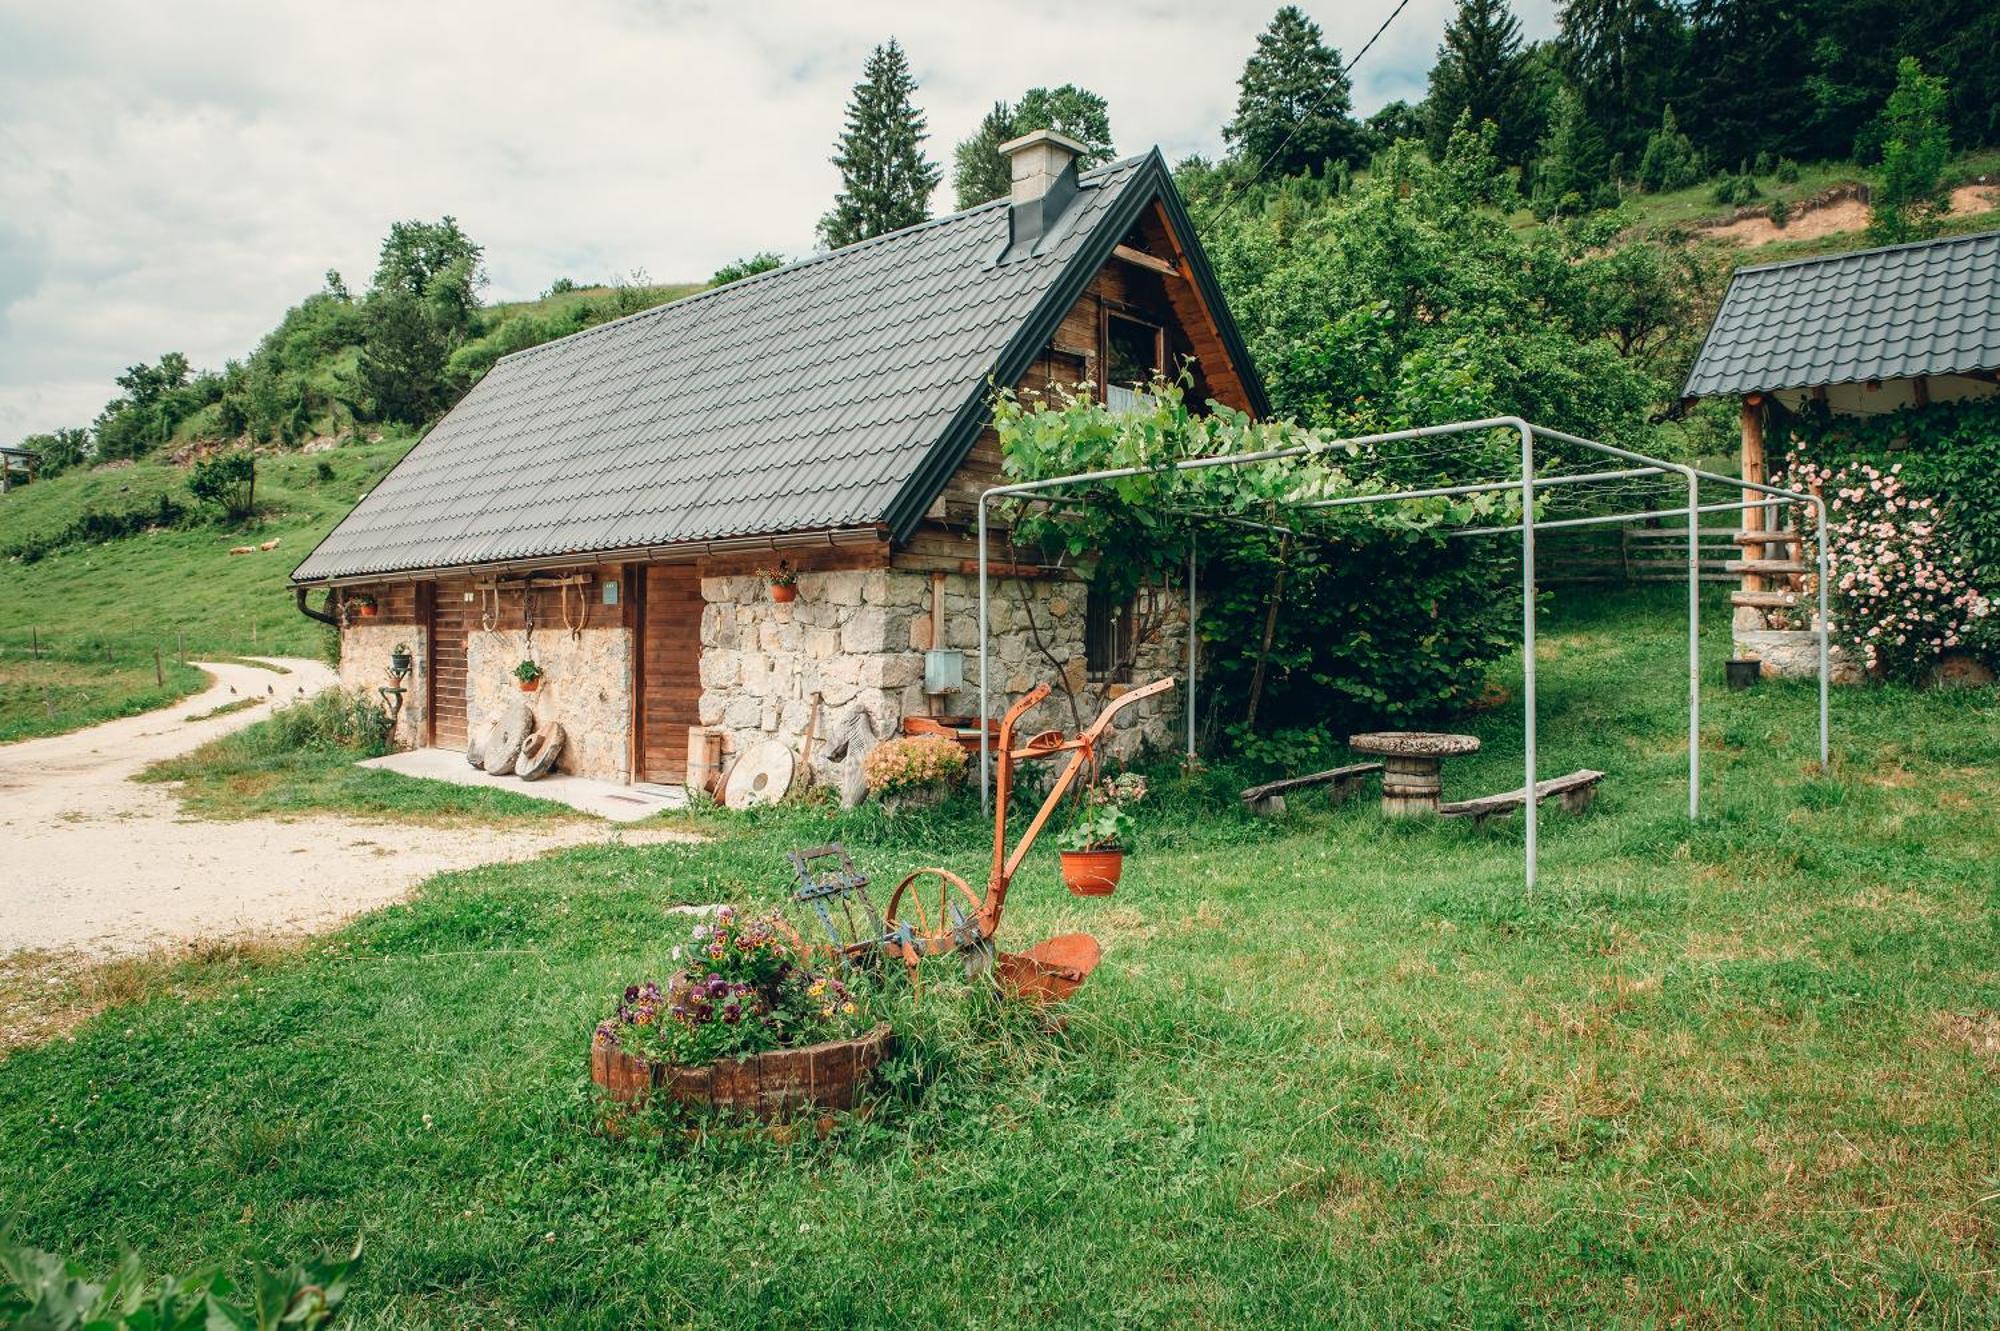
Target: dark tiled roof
<point>1928,308</point>
<point>820,395</point>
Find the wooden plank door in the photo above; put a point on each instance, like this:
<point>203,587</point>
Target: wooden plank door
<point>669,670</point>
<point>451,615</point>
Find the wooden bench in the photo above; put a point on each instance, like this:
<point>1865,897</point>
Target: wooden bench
<point>1268,800</point>
<point>1576,791</point>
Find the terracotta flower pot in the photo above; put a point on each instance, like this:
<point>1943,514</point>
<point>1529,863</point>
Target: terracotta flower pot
<point>766,1086</point>
<point>365,611</point>
<point>530,685</point>
<point>1092,873</point>
<point>781,592</point>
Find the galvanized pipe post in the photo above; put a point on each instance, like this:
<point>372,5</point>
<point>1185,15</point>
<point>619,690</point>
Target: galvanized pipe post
<point>1694,645</point>
<point>1529,808</point>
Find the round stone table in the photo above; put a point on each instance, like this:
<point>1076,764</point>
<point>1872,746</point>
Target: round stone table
<point>1411,763</point>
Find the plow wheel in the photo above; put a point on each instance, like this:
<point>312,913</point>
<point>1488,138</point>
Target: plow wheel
<point>933,913</point>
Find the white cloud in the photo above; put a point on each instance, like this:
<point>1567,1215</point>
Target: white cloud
<point>173,176</point>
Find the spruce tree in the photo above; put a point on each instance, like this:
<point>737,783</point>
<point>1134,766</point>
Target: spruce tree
<point>979,172</point>
<point>885,179</point>
<point>1480,70</point>
<point>1573,173</point>
<point>1294,112</point>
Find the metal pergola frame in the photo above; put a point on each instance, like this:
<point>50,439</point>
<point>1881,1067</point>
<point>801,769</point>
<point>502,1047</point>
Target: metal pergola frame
<point>1528,484</point>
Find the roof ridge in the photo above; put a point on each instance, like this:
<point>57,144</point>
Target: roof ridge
<point>1086,178</point>
<point>1863,253</point>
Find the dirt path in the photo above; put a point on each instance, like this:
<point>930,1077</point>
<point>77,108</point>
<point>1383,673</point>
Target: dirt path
<point>1837,218</point>
<point>96,862</point>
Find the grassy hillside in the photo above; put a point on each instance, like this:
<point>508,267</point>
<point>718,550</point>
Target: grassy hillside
<point>80,623</point>
<point>146,588</point>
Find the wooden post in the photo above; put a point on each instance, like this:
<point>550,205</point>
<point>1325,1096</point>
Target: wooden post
<point>1753,470</point>
<point>1920,389</point>
<point>35,641</point>
<point>159,671</point>
<point>181,646</point>
<point>1270,631</point>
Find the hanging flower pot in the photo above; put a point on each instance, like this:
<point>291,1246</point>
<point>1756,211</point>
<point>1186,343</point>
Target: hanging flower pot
<point>364,606</point>
<point>530,676</point>
<point>784,581</point>
<point>1093,849</point>
<point>1092,873</point>
<point>399,660</point>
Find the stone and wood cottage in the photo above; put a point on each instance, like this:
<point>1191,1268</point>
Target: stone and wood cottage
<point>603,504</point>
<point>1860,334</point>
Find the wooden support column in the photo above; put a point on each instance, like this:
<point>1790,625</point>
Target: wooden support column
<point>1753,470</point>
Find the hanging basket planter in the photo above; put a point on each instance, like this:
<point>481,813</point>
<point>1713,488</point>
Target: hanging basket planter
<point>782,592</point>
<point>1092,873</point>
<point>772,1085</point>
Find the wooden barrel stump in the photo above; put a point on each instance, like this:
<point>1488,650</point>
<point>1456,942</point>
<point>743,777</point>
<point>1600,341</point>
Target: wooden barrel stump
<point>775,1084</point>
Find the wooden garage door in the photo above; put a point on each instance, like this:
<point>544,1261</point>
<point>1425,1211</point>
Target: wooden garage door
<point>450,615</point>
<point>670,669</point>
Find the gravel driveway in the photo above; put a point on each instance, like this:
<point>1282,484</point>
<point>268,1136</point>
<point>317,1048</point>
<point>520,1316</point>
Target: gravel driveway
<point>93,861</point>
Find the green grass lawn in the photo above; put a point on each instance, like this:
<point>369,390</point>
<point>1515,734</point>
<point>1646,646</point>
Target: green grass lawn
<point>1332,1070</point>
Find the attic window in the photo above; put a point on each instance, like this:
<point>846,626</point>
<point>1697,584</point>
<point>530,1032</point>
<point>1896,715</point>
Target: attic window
<point>1134,350</point>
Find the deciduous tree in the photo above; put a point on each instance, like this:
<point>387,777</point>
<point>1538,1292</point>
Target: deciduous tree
<point>978,170</point>
<point>1916,143</point>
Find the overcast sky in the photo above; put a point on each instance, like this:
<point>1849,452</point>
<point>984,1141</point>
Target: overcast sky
<point>173,176</point>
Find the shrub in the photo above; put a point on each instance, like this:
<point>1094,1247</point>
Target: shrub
<point>1779,212</point>
<point>335,719</point>
<point>94,526</point>
<point>915,762</point>
<point>1762,167</point>
<point>1900,595</point>
<point>1670,160</point>
<point>228,480</point>
<point>1735,190</point>
<point>1787,171</point>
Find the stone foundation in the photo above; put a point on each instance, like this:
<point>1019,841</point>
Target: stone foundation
<point>856,639</point>
<point>587,687</point>
<point>364,664</point>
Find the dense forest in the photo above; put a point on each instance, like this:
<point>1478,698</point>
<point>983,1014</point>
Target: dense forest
<point>1514,185</point>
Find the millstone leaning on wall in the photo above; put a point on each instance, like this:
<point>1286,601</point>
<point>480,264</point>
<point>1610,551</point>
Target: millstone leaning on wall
<point>587,687</point>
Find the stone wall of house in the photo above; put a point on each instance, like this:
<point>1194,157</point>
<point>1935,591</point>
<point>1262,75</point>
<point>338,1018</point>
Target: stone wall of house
<point>364,664</point>
<point>856,640</point>
<point>587,687</point>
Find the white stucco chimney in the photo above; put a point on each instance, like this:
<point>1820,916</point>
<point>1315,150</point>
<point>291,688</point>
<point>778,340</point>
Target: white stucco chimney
<point>1042,167</point>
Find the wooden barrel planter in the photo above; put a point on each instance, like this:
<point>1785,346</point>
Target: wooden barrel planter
<point>775,1084</point>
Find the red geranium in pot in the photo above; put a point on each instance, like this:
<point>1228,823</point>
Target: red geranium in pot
<point>784,580</point>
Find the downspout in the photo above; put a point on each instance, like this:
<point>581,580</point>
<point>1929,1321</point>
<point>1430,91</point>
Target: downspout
<point>323,616</point>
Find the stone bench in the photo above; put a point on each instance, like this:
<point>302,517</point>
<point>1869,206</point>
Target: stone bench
<point>1268,800</point>
<point>1576,791</point>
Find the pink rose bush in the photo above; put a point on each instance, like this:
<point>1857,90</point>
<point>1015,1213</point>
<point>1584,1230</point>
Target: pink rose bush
<point>1900,592</point>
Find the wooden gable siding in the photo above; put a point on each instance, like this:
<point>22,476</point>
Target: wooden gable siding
<point>945,540</point>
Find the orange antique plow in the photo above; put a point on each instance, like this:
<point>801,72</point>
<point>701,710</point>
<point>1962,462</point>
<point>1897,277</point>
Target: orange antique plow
<point>933,911</point>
